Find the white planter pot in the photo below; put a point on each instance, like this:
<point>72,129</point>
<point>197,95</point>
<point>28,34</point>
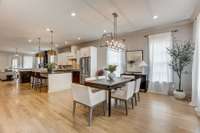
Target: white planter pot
<point>179,95</point>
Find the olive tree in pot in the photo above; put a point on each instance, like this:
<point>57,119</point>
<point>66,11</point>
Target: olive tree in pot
<point>181,55</point>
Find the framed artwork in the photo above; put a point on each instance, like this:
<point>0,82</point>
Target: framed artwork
<point>133,59</point>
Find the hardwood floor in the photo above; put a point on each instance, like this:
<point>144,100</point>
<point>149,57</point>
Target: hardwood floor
<point>25,111</point>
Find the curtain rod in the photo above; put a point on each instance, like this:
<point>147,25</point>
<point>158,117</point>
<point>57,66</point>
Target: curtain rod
<point>173,31</point>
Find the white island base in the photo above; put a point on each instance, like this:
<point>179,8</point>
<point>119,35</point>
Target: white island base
<point>59,81</point>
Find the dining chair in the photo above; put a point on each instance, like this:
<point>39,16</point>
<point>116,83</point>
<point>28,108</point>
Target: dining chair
<point>84,96</point>
<point>137,90</point>
<point>90,78</point>
<point>128,76</point>
<point>101,77</point>
<point>125,94</point>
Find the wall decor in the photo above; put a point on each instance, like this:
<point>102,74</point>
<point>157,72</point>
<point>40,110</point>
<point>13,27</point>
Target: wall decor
<point>133,59</point>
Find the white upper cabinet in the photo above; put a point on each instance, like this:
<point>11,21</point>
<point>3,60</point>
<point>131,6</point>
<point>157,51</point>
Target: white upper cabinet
<point>85,52</point>
<point>72,53</point>
<point>62,59</point>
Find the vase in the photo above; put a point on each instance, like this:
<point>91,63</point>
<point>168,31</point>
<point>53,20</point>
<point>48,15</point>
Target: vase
<point>49,70</point>
<point>111,76</point>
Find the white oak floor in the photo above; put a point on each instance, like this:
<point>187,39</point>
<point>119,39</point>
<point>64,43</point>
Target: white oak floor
<point>23,110</point>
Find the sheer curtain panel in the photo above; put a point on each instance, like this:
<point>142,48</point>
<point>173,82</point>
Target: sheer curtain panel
<point>160,73</point>
<point>196,67</point>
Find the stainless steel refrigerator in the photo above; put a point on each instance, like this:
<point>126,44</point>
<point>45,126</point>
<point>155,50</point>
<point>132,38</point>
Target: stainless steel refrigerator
<point>85,63</point>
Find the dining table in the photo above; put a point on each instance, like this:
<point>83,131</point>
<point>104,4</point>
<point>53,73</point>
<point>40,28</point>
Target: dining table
<point>109,85</point>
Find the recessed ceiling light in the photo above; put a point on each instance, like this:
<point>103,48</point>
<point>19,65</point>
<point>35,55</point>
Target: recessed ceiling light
<point>79,38</point>
<point>104,31</point>
<point>29,40</point>
<point>48,29</point>
<point>155,17</point>
<point>73,14</point>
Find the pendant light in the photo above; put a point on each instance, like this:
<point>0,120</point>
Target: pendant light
<point>51,52</point>
<point>111,40</point>
<point>39,54</point>
<point>16,53</point>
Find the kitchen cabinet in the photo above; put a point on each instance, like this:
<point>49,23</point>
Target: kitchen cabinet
<point>76,77</point>
<point>62,59</point>
<point>85,52</point>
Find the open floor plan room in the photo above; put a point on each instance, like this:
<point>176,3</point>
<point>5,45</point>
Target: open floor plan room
<point>100,66</point>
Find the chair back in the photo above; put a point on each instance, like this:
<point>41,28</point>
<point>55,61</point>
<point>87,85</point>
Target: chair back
<point>101,77</point>
<point>37,74</point>
<point>90,78</point>
<point>130,88</point>
<point>128,76</point>
<point>138,83</point>
<point>81,94</point>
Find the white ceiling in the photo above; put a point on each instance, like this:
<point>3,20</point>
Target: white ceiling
<point>21,20</point>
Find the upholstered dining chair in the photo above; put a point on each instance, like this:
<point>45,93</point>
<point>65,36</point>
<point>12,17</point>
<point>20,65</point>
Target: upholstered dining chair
<point>84,96</point>
<point>90,78</point>
<point>128,76</point>
<point>137,90</point>
<point>125,94</point>
<point>101,77</point>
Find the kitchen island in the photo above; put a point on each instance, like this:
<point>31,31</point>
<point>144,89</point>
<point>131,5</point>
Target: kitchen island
<point>58,81</point>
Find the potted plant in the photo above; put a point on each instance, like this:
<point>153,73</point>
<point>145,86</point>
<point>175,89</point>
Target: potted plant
<point>111,69</point>
<point>181,55</point>
<point>50,67</point>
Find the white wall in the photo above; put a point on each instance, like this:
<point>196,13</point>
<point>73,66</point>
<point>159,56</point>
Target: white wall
<point>5,60</point>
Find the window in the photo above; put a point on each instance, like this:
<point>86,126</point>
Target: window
<point>27,62</point>
<point>14,63</point>
<point>52,59</point>
<point>159,58</point>
<point>114,57</point>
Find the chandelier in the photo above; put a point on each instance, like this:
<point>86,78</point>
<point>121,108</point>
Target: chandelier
<point>111,40</point>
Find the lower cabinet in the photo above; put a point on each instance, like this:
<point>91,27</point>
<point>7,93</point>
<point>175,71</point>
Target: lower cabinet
<point>76,77</point>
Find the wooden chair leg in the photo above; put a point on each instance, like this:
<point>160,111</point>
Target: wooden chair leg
<point>104,108</point>
<point>126,107</point>
<point>132,103</point>
<point>138,96</point>
<point>74,107</point>
<point>116,101</point>
<point>90,116</point>
<point>135,100</point>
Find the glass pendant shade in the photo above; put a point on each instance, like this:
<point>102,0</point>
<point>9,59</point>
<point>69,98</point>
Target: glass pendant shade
<point>52,52</point>
<point>39,54</point>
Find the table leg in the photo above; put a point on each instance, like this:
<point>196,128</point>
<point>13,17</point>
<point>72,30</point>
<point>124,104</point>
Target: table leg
<point>109,103</point>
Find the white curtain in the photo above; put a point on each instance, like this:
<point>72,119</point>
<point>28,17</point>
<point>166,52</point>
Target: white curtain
<point>27,61</point>
<point>160,73</point>
<point>115,57</point>
<point>196,67</point>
